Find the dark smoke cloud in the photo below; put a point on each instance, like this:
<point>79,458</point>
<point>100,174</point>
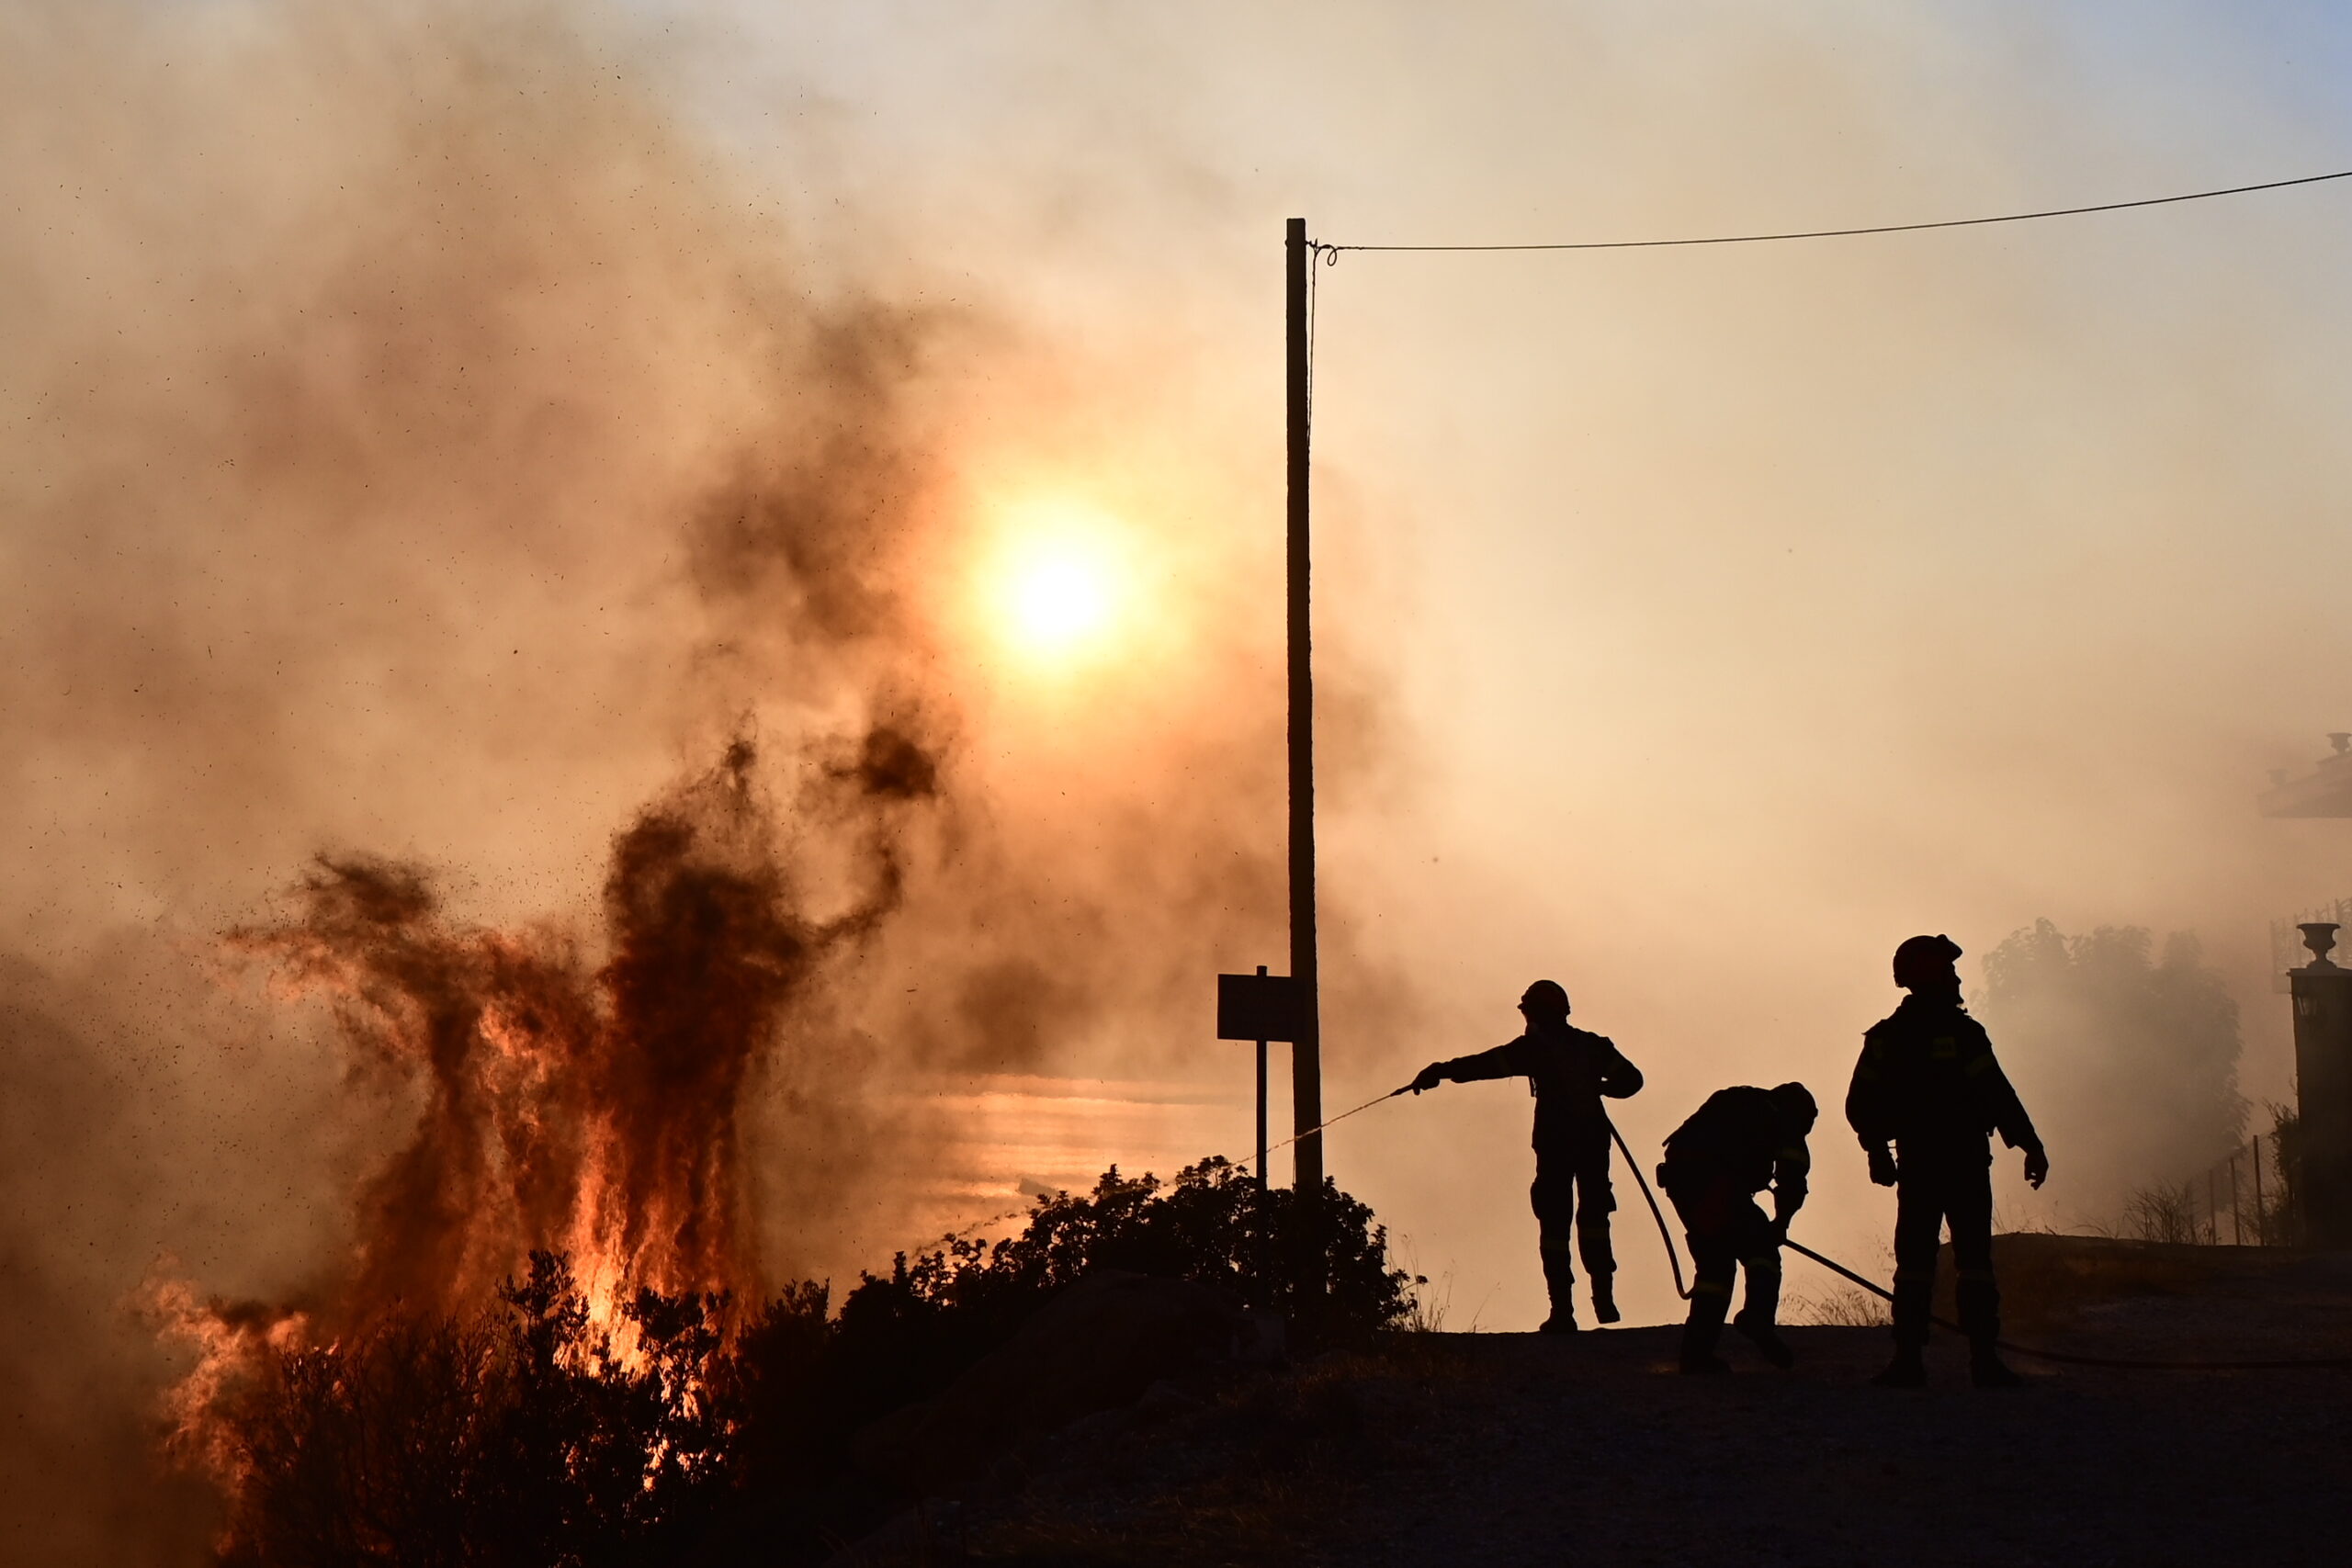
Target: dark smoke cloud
<point>568,1103</point>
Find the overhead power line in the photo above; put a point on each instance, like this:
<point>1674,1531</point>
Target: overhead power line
<point>1332,252</point>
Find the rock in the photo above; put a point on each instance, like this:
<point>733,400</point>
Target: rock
<point>1261,1339</point>
<point>1098,1346</point>
<point>930,1533</point>
<point>1163,1401</point>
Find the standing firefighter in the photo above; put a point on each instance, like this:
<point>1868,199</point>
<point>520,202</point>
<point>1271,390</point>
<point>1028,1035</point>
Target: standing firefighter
<point>1927,1083</point>
<point>1569,1070</point>
<point>1732,1145</point>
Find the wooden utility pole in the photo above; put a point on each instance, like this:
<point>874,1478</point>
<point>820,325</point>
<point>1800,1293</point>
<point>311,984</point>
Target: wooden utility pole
<point>1306,1054</point>
<point>1264,1139</point>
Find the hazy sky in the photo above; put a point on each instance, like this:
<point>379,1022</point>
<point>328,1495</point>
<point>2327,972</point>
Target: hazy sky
<point>1704,621</point>
<point>1743,610</point>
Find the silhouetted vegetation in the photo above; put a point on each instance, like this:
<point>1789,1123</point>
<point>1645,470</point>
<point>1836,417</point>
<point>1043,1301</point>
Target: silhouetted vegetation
<point>1211,1225</point>
<point>525,1434</point>
<point>528,1434</point>
<point>2166,1212</point>
<point>2280,1215</point>
<point>2229,1206</point>
<point>1837,1306</point>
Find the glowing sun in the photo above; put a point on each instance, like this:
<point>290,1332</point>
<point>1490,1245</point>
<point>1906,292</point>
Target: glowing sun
<point>1059,600</point>
<point>1058,593</point>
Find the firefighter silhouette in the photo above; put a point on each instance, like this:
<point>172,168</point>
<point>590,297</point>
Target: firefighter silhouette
<point>1735,1143</point>
<point>1569,1070</point>
<point>1928,1085</point>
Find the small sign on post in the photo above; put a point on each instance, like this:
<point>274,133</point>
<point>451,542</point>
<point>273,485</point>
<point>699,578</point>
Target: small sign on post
<point>1260,1007</point>
<point>1257,1007</point>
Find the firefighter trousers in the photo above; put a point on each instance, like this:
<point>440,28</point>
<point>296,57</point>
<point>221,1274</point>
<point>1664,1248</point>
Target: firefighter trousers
<point>1726,1231</point>
<point>1572,1200</point>
<point>1930,1193</point>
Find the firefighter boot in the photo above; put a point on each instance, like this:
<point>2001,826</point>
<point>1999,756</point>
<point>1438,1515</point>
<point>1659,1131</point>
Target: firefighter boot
<point>1701,1329</point>
<point>1559,1279</point>
<point>1986,1370</point>
<point>1604,1298</point>
<point>1756,1314</point>
<point>1980,1314</point>
<point>1913,1304</point>
<point>1760,1333</point>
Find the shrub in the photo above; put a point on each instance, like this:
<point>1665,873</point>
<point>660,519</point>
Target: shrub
<point>2279,1215</point>
<point>1213,1225</point>
<point>527,1435</point>
<point>522,1434</point>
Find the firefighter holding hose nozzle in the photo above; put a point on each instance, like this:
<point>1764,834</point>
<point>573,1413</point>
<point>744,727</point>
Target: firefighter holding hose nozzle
<point>1732,1147</point>
<point>1928,1085</point>
<point>1569,1070</point>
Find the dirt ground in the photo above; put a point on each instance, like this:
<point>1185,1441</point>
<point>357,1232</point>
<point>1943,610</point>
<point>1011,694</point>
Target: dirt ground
<point>1515,1449</point>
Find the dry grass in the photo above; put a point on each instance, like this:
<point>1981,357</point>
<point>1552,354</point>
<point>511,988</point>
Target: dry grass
<point>2166,1212</point>
<point>1846,1307</point>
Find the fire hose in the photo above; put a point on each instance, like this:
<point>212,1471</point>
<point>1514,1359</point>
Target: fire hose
<point>1335,1120</point>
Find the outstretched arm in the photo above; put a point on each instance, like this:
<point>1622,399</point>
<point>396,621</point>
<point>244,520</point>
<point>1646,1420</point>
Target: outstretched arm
<point>1502,1062</point>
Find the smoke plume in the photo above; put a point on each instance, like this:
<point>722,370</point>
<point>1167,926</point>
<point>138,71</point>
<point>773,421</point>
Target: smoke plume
<point>423,448</point>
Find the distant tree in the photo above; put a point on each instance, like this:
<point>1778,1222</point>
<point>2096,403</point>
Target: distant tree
<point>2128,1062</point>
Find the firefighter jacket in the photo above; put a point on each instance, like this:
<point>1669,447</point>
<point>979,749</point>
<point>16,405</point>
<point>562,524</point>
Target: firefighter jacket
<point>1929,1083</point>
<point>1743,1138</point>
<point>1568,1069</point>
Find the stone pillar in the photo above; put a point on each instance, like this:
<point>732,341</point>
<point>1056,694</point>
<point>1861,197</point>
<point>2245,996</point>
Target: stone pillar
<point>2323,992</point>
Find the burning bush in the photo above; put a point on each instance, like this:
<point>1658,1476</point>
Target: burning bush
<point>527,1433</point>
<point>522,1434</point>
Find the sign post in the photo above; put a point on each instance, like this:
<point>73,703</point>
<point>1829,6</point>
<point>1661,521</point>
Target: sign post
<point>1260,1008</point>
<point>1263,1139</point>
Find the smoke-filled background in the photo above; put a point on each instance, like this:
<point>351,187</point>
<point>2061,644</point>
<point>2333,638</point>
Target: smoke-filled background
<point>431,437</point>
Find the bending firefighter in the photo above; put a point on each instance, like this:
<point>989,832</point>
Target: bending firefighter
<point>1732,1145</point>
<point>1928,1084</point>
<point>1569,1070</point>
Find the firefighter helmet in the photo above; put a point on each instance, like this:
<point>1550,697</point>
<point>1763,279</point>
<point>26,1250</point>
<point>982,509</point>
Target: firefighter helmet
<point>1546,999</point>
<point>1924,958</point>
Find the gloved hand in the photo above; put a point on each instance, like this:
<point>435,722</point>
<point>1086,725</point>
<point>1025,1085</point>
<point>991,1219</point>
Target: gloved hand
<point>1883,1165</point>
<point>2037,1165</point>
<point>1430,1078</point>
